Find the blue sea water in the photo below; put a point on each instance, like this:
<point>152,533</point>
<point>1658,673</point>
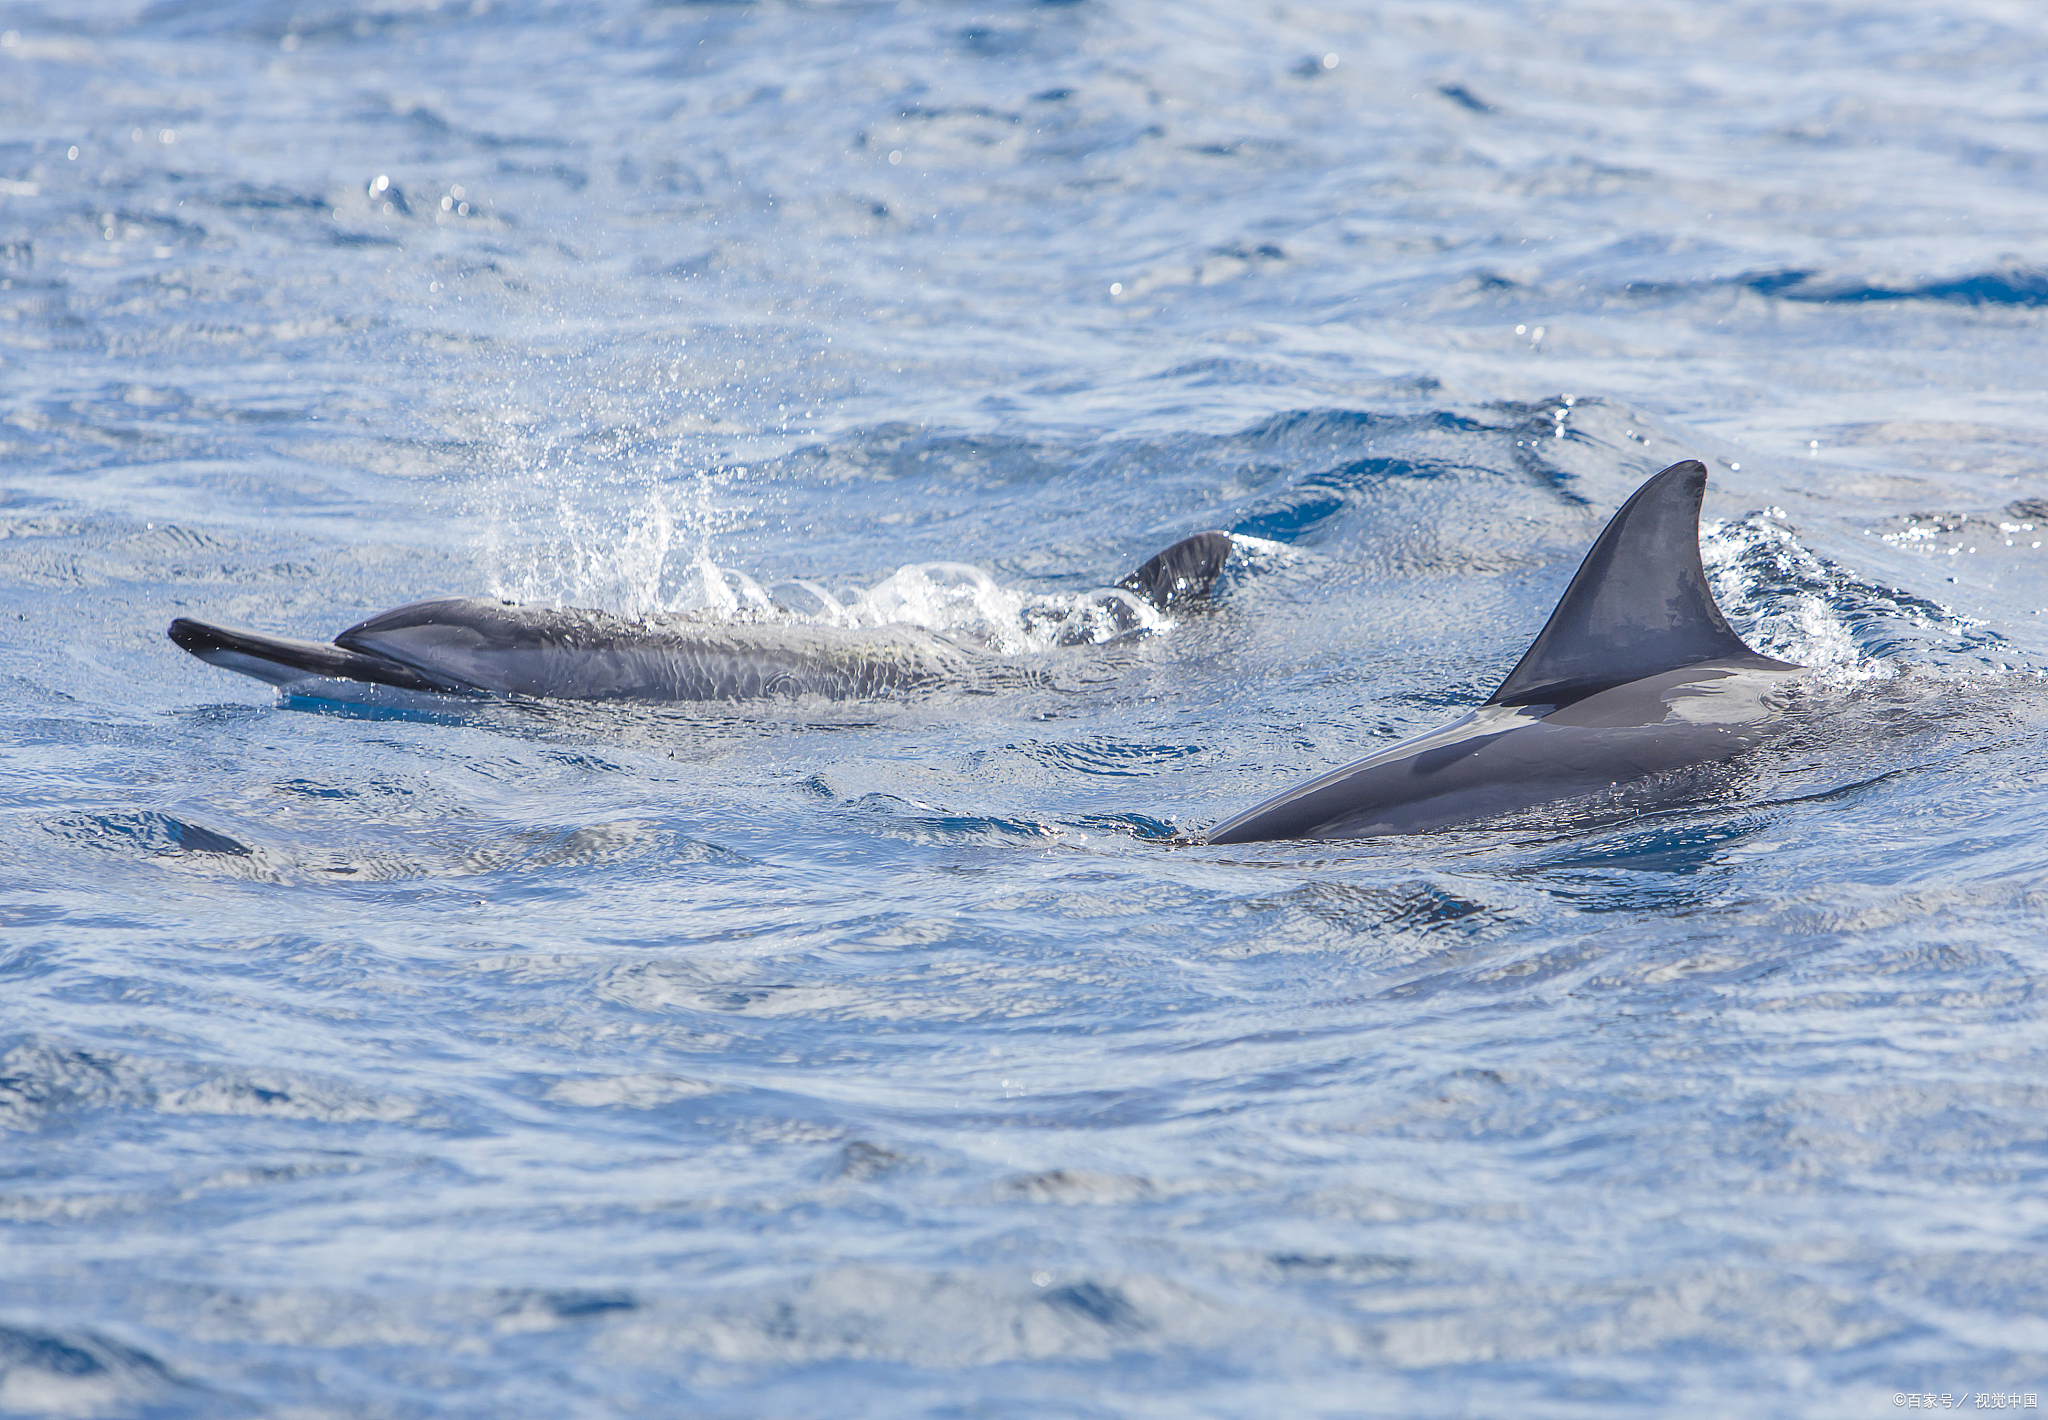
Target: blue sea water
<point>383,1058</point>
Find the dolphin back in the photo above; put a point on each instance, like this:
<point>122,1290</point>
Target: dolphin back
<point>592,655</point>
<point>1636,673</point>
<point>1640,604</point>
<point>467,645</point>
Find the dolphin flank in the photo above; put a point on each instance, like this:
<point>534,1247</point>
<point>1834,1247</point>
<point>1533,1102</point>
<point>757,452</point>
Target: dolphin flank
<point>471,646</point>
<point>1636,673</point>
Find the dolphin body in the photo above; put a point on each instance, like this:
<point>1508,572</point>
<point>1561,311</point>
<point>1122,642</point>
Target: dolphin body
<point>1636,673</point>
<point>471,646</point>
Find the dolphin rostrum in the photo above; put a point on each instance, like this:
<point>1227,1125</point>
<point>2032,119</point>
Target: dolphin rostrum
<point>470,645</point>
<point>1636,673</point>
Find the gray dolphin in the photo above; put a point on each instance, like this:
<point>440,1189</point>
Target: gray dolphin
<point>470,645</point>
<point>1636,673</point>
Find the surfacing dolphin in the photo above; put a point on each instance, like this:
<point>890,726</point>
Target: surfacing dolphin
<point>1636,673</point>
<point>470,646</point>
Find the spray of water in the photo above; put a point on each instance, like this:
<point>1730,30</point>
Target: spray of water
<point>1788,601</point>
<point>966,603</point>
<point>642,547</point>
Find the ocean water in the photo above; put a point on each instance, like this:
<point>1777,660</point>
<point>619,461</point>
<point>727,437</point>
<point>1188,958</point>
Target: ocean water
<point>904,1058</point>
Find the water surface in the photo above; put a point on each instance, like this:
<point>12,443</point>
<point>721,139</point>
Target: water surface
<point>902,1058</point>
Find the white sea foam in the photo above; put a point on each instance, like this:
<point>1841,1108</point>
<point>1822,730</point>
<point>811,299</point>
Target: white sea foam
<point>1788,601</point>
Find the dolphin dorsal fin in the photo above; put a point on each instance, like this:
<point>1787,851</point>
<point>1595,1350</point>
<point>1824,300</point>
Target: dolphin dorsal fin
<point>1184,572</point>
<point>1639,605</point>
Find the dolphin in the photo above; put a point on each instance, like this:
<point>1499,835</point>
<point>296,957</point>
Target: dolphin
<point>1636,673</point>
<point>476,646</point>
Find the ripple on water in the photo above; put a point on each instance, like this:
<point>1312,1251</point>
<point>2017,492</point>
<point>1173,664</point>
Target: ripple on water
<point>366,1054</point>
<point>48,1085</point>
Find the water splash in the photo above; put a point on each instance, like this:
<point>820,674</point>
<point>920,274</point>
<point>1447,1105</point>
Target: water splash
<point>651,558</point>
<point>632,536</point>
<point>956,600</point>
<point>965,602</point>
<point>1788,601</point>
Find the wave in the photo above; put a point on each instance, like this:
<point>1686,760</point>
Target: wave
<point>1789,601</point>
<point>2013,286</point>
